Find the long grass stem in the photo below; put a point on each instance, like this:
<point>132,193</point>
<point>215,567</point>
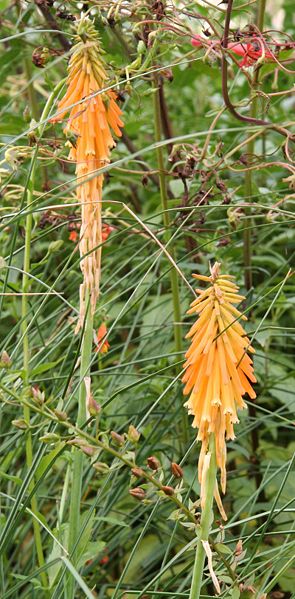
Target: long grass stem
<point>166,220</point>
<point>25,325</point>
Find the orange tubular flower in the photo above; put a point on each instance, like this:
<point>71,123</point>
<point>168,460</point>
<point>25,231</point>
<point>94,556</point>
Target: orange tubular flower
<point>218,370</point>
<point>103,345</point>
<point>90,123</point>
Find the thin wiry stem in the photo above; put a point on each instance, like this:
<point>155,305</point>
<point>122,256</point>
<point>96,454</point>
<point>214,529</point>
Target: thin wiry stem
<point>25,309</point>
<point>248,250</point>
<point>166,218</point>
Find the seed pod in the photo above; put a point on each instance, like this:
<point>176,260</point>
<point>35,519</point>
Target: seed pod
<point>176,470</point>
<point>61,415</point>
<point>20,423</point>
<point>133,434</point>
<point>5,360</point>
<point>168,490</point>
<point>153,463</point>
<point>137,493</point>
<point>138,472</point>
<point>118,439</point>
<point>49,438</point>
<point>93,407</point>
<point>101,467</point>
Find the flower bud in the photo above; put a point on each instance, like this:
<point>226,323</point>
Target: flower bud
<point>93,407</point>
<point>176,470</point>
<point>49,438</point>
<point>168,490</point>
<point>5,360</point>
<point>137,493</point>
<point>38,396</point>
<point>153,463</point>
<point>101,467</point>
<point>133,434</point>
<point>61,415</point>
<point>20,423</point>
<point>82,444</point>
<point>118,439</point>
<point>138,472</point>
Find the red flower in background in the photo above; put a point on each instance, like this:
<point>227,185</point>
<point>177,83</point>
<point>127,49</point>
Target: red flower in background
<point>73,236</point>
<point>103,345</point>
<point>106,231</point>
<point>251,51</point>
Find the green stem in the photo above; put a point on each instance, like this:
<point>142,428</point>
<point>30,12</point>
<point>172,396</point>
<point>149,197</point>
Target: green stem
<point>24,329</point>
<point>166,219</point>
<point>78,456</point>
<point>205,524</point>
<point>247,239</point>
<point>248,175</point>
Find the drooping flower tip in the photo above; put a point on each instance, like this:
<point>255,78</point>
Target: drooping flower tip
<point>218,369</point>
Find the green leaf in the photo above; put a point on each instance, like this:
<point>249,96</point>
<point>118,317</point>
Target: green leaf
<point>15,479</point>
<point>112,520</point>
<point>47,459</point>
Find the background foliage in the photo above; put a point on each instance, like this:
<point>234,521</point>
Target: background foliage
<point>132,548</point>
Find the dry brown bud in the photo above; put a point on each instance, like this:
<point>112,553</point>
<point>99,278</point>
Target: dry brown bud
<point>118,439</point>
<point>153,463</point>
<point>168,490</point>
<point>137,493</point>
<point>176,470</point>
<point>239,547</point>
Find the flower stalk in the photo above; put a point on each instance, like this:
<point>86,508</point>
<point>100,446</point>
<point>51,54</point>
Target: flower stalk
<point>77,455</point>
<point>218,373</point>
<point>88,128</point>
<point>206,520</point>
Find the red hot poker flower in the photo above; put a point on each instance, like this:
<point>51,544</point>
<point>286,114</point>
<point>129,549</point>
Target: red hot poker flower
<point>218,369</point>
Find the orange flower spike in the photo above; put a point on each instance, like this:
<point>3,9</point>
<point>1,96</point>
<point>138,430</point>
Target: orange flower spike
<point>90,122</point>
<point>218,369</point>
